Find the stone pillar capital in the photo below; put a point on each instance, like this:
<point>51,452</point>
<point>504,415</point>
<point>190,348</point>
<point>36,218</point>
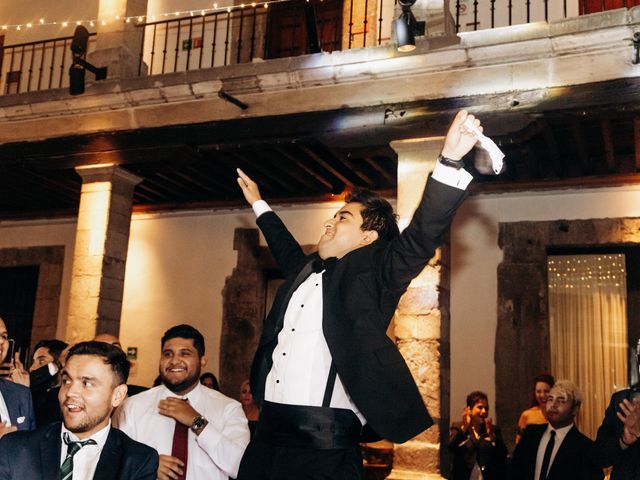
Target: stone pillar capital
<point>107,173</point>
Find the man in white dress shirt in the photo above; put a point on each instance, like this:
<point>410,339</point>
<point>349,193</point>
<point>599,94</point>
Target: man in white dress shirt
<point>325,367</point>
<point>557,450</point>
<point>199,433</point>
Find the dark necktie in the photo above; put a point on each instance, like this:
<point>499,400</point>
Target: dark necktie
<point>66,469</point>
<point>180,448</point>
<point>546,460</point>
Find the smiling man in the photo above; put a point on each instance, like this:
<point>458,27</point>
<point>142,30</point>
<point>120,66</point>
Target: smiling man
<point>84,446</point>
<point>199,433</point>
<point>325,366</point>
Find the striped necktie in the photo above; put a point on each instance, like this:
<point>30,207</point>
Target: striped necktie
<point>66,469</point>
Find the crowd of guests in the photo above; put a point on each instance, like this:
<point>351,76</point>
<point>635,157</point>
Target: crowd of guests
<point>549,445</point>
<point>71,414</point>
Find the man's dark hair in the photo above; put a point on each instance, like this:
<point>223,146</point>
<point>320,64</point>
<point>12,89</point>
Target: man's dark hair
<point>54,346</point>
<point>112,356</point>
<point>185,331</point>
<point>475,396</point>
<point>377,213</point>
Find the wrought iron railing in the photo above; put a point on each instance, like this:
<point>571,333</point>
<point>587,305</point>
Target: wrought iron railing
<point>261,31</point>
<point>41,65</point>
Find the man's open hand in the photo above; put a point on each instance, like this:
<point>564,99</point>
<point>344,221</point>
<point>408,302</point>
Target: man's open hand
<point>249,188</point>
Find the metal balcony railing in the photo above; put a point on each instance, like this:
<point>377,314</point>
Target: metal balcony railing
<point>42,65</point>
<point>267,31</point>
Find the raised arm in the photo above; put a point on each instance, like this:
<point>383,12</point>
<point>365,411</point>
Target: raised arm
<point>409,253</point>
<point>285,249</point>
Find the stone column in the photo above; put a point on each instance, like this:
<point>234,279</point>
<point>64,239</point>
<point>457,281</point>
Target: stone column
<point>99,258</point>
<point>422,321</point>
<point>118,43</point>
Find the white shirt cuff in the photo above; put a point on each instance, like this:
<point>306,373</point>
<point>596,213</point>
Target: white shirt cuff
<point>260,207</point>
<point>458,178</point>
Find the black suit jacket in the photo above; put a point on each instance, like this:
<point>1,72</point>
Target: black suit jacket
<point>490,453</point>
<point>35,455</point>
<point>572,462</point>
<point>607,451</point>
<point>19,404</point>
<point>360,297</point>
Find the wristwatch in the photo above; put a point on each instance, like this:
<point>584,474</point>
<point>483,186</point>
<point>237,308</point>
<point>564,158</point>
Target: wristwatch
<point>450,162</point>
<point>198,424</point>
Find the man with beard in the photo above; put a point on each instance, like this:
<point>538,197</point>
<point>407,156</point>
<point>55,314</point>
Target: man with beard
<point>84,445</point>
<point>557,450</point>
<point>198,432</point>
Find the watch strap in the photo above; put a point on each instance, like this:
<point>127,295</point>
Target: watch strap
<point>450,162</point>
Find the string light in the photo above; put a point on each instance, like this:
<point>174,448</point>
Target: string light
<point>42,22</point>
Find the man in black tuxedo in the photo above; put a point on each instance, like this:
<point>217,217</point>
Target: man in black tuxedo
<point>617,442</point>
<point>324,366</point>
<point>557,450</point>
<point>85,445</point>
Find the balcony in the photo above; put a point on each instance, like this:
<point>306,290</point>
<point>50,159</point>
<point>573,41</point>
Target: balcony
<point>218,37</point>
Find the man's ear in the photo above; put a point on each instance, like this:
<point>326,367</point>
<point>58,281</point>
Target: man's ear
<point>368,237</point>
<point>118,395</point>
<point>203,361</point>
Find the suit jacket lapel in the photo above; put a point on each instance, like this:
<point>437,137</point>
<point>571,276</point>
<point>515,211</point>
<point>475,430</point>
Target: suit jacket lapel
<point>301,277</point>
<point>110,458</point>
<point>558,468</point>
<point>50,446</point>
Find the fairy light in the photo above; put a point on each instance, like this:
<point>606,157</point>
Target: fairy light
<point>140,18</point>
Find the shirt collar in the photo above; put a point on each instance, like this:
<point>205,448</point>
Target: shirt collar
<point>193,396</point>
<point>100,437</point>
<point>560,432</point>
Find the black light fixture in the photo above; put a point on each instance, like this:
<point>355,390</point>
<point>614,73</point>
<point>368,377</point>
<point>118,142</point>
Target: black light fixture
<point>407,27</point>
<point>79,65</point>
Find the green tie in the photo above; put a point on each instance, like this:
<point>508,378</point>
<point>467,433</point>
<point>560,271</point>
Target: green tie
<point>66,469</point>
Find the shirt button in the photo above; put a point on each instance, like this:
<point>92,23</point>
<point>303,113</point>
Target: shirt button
<point>284,353</point>
<point>293,329</point>
<point>302,306</point>
<point>277,381</point>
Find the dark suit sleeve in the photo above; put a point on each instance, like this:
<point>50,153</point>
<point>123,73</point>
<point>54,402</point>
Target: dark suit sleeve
<point>606,450</point>
<point>148,467</point>
<point>5,455</point>
<point>517,468</point>
<point>285,249</point>
<point>408,254</point>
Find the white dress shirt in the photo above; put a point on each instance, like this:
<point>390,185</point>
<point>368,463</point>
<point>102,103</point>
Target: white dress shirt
<point>561,433</point>
<point>301,359</point>
<point>215,454</point>
<point>4,412</point>
<point>86,459</point>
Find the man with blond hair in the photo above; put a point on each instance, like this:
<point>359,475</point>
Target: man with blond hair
<point>555,450</point>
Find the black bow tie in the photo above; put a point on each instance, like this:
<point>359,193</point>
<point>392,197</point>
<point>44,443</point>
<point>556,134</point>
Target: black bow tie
<point>328,264</point>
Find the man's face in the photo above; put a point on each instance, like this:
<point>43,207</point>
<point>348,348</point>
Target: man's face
<point>560,409</point>
<point>41,357</point>
<point>88,394</point>
<point>108,338</point>
<point>4,341</point>
<point>343,233</point>
<point>180,365</point>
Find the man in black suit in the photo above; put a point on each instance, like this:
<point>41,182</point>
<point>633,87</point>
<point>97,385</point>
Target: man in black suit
<point>324,365</point>
<point>16,406</point>
<point>557,450</point>
<point>617,442</point>
<point>85,445</point>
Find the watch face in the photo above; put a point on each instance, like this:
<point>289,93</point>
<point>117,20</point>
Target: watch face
<point>198,422</point>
